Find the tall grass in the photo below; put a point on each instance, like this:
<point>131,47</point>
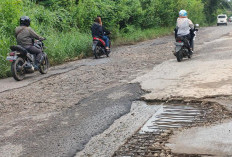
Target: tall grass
<point>5,42</point>
<point>65,46</point>
<point>141,35</point>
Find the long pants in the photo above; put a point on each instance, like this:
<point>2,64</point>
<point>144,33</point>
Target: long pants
<point>107,41</point>
<point>37,51</point>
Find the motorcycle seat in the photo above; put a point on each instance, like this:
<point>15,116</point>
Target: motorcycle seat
<point>19,49</point>
<point>99,39</point>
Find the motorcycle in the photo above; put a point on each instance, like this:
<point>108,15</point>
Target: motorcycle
<point>23,62</point>
<point>182,44</point>
<point>99,47</point>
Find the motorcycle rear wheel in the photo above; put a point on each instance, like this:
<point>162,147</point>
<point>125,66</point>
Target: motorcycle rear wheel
<point>179,56</point>
<point>43,69</point>
<point>96,52</point>
<point>17,69</point>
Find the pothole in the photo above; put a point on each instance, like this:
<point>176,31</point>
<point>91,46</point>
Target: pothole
<point>152,138</point>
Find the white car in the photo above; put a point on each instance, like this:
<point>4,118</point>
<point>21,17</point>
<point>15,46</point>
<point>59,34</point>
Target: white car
<point>222,19</point>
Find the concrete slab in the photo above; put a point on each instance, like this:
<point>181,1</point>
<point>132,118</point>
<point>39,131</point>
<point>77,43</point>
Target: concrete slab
<point>213,140</point>
<point>206,74</point>
<point>192,78</point>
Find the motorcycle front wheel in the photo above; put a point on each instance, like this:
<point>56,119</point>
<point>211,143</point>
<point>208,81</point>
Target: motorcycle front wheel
<point>17,69</point>
<point>107,53</point>
<point>44,65</point>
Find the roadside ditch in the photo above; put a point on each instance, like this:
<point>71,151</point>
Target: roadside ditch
<point>151,139</point>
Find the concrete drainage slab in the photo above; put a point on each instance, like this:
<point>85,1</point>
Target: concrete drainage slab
<point>152,138</point>
<point>173,116</point>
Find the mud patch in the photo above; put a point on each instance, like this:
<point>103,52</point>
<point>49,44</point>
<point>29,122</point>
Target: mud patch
<point>173,118</point>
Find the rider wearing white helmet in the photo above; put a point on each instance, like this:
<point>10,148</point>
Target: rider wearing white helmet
<point>184,25</point>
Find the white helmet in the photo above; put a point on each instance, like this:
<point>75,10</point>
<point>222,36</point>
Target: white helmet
<point>183,13</point>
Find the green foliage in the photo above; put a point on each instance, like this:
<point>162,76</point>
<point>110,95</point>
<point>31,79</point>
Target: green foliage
<point>87,11</point>
<point>210,9</point>
<point>63,46</point>
<point>54,4</point>
<point>9,15</point>
<point>140,35</point>
<point>4,49</point>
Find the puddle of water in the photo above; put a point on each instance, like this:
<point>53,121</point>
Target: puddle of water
<point>172,116</point>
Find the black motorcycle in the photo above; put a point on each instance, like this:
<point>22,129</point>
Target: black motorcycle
<point>23,62</point>
<point>183,44</point>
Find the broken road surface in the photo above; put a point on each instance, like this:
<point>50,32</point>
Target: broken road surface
<point>85,107</point>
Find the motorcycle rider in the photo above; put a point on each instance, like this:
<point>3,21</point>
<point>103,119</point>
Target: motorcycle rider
<point>105,32</point>
<point>97,31</point>
<point>184,28</point>
<point>25,36</point>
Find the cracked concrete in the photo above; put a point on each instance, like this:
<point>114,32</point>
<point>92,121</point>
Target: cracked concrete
<point>213,140</point>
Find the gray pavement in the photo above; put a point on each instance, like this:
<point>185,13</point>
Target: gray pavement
<point>65,133</point>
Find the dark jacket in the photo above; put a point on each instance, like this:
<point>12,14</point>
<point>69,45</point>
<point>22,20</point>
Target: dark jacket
<point>97,30</point>
<point>24,36</point>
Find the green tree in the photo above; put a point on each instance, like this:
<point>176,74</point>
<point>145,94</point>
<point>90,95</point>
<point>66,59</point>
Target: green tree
<point>210,9</point>
<point>10,11</point>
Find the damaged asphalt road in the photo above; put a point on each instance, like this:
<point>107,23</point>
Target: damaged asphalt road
<point>84,107</point>
<point>65,133</point>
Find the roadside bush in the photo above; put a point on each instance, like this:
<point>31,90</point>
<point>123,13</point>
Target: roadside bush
<point>9,15</point>
<point>65,46</point>
<point>4,49</point>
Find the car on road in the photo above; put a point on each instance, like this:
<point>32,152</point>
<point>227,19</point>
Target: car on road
<point>222,19</point>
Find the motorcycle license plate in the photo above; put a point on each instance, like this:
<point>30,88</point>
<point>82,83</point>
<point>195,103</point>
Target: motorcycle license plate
<point>94,45</point>
<point>11,58</point>
<point>179,44</point>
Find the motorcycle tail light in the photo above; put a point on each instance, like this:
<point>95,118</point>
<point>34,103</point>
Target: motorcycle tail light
<point>12,53</point>
<point>11,60</point>
<point>179,41</point>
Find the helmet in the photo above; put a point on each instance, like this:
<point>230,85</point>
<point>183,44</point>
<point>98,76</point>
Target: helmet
<point>24,20</point>
<point>183,13</point>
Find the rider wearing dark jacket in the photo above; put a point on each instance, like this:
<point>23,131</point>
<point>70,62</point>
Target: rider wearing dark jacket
<point>25,36</point>
<point>98,31</point>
